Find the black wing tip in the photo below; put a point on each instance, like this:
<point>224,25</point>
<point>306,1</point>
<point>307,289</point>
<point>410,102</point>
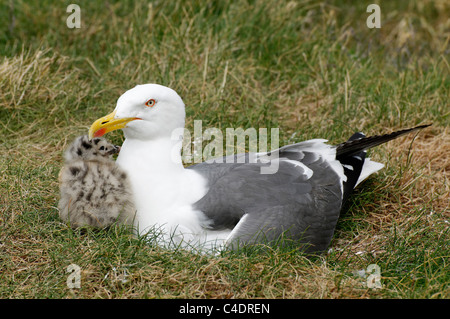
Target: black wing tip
<point>422,126</point>
<point>354,145</point>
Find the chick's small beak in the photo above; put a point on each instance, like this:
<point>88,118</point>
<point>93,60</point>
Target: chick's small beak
<point>108,123</point>
<point>114,150</point>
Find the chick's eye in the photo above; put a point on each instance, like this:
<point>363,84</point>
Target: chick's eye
<point>102,148</point>
<point>150,103</point>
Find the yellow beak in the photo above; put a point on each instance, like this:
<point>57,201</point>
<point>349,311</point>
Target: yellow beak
<point>107,124</point>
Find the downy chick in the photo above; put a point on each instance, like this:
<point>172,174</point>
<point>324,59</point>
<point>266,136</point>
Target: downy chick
<point>94,190</point>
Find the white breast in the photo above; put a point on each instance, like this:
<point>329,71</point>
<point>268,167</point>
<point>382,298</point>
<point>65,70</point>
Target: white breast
<point>164,193</point>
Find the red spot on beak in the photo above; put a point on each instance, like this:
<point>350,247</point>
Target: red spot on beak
<point>100,132</point>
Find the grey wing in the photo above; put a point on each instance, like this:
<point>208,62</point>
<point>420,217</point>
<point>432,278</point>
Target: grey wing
<point>261,208</point>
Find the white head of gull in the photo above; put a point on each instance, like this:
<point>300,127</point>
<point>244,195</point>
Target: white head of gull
<point>229,205</point>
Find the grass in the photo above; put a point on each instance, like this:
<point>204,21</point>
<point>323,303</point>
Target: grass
<point>312,69</point>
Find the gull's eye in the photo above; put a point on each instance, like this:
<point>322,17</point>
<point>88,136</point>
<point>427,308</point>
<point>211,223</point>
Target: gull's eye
<point>102,148</point>
<point>150,103</point>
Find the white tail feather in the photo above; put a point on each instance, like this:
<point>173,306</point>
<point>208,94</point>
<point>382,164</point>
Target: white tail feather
<point>368,169</point>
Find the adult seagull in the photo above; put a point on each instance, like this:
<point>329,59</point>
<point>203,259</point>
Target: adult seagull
<point>231,205</point>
